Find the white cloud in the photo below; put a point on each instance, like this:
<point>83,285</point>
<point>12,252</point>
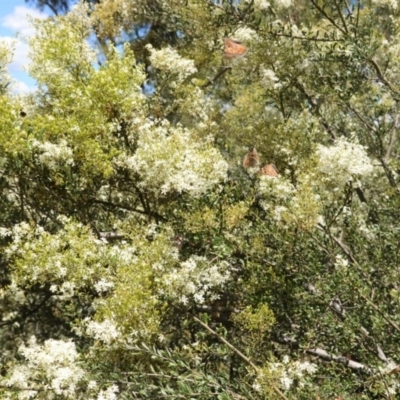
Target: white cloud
<point>19,22</point>
<point>19,87</point>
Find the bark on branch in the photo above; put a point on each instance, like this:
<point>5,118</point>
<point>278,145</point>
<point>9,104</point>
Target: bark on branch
<point>321,353</point>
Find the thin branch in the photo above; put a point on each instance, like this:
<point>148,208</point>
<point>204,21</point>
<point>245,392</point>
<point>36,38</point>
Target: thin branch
<point>380,75</point>
<point>28,313</point>
<point>321,353</point>
<point>110,204</point>
<point>348,253</point>
<point>392,139</point>
<point>381,354</point>
<point>341,17</point>
<point>360,195</point>
<point>321,245</point>
<point>327,127</point>
<point>219,74</point>
<point>17,389</point>
<point>238,352</point>
<point>358,15</point>
<point>355,263</point>
<point>311,39</point>
<point>51,7</point>
<point>388,173</point>
<point>379,311</point>
<point>358,115</point>
<point>331,20</point>
<point>124,207</point>
<point>111,235</point>
<point>348,7</point>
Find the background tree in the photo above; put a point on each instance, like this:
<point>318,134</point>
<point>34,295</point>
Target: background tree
<point>143,259</point>
<point>56,6</point>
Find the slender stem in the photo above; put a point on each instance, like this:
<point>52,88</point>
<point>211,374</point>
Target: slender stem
<point>219,74</point>
<point>311,39</point>
<point>361,118</point>
<point>355,263</point>
<point>341,16</point>
<point>321,353</point>
<point>384,316</point>
<point>380,75</point>
<point>388,173</point>
<point>331,20</point>
<point>358,15</point>
<point>392,139</point>
<point>238,352</point>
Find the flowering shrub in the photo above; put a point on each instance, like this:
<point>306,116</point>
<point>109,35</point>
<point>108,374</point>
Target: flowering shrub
<point>171,159</point>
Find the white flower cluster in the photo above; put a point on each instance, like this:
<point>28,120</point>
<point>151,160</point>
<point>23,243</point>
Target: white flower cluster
<point>390,3</point>
<point>65,39</point>
<point>287,372</point>
<point>279,187</point>
<point>195,278</point>
<point>344,161</point>
<point>42,256</point>
<point>105,331</point>
<point>168,60</point>
<point>171,159</point>
<point>6,55</point>
<point>54,154</point>
<point>246,34</point>
<point>283,3</point>
<point>52,366</point>
<point>341,262</point>
<point>260,5</point>
<point>276,194</point>
<point>103,285</point>
<point>270,80</point>
<point>108,394</point>
<point>198,106</point>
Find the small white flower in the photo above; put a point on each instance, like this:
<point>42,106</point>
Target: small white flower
<point>169,158</point>
<point>55,362</point>
<point>286,382</point>
<point>270,80</point>
<point>168,60</point>
<point>344,161</point>
<point>54,154</point>
<point>92,385</point>
<point>260,5</point>
<point>108,394</point>
<point>246,34</point>
<point>283,3</point>
<point>341,262</point>
<point>285,359</point>
<point>103,286</point>
<point>106,331</point>
<point>195,279</point>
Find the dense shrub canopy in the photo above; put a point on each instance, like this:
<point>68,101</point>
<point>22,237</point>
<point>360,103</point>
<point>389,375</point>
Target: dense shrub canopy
<point>143,257</point>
